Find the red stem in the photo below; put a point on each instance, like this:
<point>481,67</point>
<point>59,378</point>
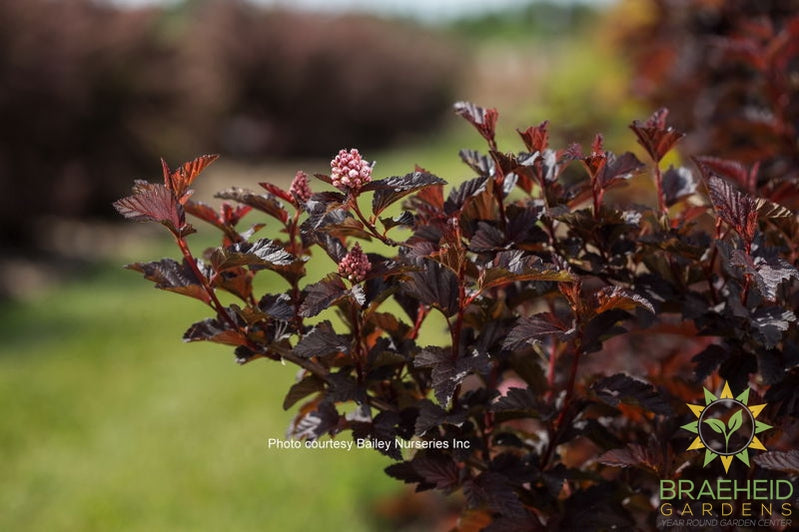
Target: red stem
<point>295,289</point>
<point>659,182</point>
<point>370,226</point>
<point>217,306</point>
<point>551,369</point>
<point>420,316</point>
<point>555,431</point>
<point>569,387</point>
<point>358,350</point>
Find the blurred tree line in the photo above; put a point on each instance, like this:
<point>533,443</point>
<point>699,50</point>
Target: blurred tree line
<point>92,94</point>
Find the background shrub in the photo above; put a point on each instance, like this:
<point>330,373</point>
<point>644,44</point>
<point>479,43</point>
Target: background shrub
<point>727,71</point>
<point>91,92</point>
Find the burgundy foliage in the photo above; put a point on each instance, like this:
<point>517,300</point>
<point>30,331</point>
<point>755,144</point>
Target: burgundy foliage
<point>727,71</point>
<point>575,329</point>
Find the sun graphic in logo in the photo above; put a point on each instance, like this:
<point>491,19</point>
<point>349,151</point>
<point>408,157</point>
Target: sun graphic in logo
<point>726,427</point>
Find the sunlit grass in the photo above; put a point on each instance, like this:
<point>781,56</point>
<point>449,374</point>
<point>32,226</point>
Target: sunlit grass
<point>111,422</point>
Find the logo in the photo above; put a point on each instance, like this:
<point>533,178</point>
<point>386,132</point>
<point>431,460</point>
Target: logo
<point>727,427</point>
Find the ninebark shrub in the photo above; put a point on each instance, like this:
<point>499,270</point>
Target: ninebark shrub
<point>576,328</point>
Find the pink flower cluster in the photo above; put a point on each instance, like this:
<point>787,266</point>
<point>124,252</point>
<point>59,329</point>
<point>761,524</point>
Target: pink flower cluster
<point>349,170</point>
<point>355,265</point>
<point>300,188</point>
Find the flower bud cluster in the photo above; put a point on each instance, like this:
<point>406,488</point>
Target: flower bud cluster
<point>355,265</point>
<point>300,188</point>
<point>349,170</point>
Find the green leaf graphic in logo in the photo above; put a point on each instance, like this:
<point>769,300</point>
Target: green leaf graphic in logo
<point>717,425</point>
<point>735,422</point>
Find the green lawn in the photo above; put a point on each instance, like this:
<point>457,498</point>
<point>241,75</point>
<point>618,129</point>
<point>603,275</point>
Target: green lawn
<point>111,422</point>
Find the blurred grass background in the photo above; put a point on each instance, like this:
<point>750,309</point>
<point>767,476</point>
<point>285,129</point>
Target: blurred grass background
<point>112,423</point>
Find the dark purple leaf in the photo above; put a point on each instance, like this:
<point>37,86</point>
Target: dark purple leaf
<point>392,189</point>
<point>430,415</point>
<point>678,183</point>
<point>314,424</point>
<point>523,227</point>
<point>622,388</point>
<point>513,265</point>
<point>536,138</point>
<point>731,170</point>
<point>521,401</point>
<point>358,294</point>
<point>769,274</point>
<point>505,163</point>
<point>434,285</point>
<point>598,507</point>
<point>618,168</point>
<point>322,341</point>
<point>708,360</point>
<point>772,211</point>
<point>337,222</point>
<point>331,244</point>
<point>303,388</point>
<point>522,523</point>
<point>771,365</point>
<point>325,201</point>
<point>266,203</point>
<point>462,193</point>
<point>484,120</point>
<point>172,276</point>
<point>785,461</point>
<point>446,373</point>
<point>277,306</point>
<point>203,212</point>
<point>487,238</point>
<point>237,281</point>
<point>770,324</point>
<point>382,428</point>
<point>260,254</point>
<point>322,295</point>
<point>154,203</point>
<point>739,211</point>
<point>405,472</point>
<point>179,180</point>
<point>342,387</point>
<point>494,491</point>
<point>553,163</point>
<point>656,138</point>
<point>324,177</point>
<point>482,164</point>
<point>428,203</point>
<point>634,455</point>
<point>437,469</point>
<point>737,369</point>
<point>617,297</point>
<point>278,191</point>
<point>207,214</point>
<point>602,327</point>
<point>406,218</point>
<point>214,330</point>
<point>535,329</point>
